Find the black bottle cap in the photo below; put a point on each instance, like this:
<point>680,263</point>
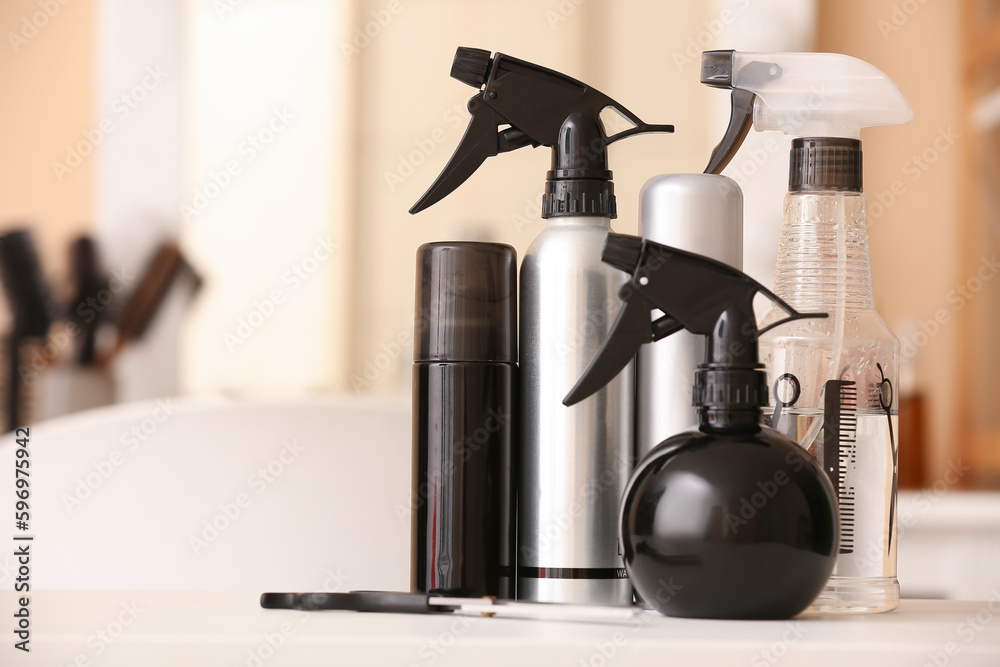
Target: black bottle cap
<point>466,306</point>
<point>825,163</point>
<point>579,182</point>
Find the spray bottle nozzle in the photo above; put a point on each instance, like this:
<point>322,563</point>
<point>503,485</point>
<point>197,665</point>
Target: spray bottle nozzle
<point>696,293</point>
<point>801,94</point>
<point>471,66</point>
<point>540,107</point>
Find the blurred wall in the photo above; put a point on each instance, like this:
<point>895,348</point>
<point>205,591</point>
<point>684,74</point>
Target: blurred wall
<point>403,116</point>
<point>413,116</point>
<point>912,179</point>
<point>48,78</point>
<point>265,203</point>
<point>138,168</point>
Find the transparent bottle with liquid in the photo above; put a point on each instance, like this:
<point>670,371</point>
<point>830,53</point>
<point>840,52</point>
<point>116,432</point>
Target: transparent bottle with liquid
<point>832,380</point>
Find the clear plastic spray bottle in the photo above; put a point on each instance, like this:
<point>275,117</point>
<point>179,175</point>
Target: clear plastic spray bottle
<point>832,380</point>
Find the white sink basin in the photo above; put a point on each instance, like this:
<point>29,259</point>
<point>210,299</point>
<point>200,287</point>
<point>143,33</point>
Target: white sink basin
<point>215,493</point>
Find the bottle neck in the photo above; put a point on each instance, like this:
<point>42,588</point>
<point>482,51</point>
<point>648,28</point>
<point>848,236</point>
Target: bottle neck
<point>823,255</point>
<point>599,222</point>
<point>722,420</point>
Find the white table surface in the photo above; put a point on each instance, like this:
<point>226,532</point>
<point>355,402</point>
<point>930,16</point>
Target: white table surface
<point>147,629</point>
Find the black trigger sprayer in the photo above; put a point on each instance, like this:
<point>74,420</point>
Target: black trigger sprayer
<point>536,106</point>
<point>737,517</point>
<point>566,544</point>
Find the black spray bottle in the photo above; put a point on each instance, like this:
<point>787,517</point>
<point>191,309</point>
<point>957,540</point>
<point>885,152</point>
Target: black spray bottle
<point>464,393</point>
<point>733,520</point>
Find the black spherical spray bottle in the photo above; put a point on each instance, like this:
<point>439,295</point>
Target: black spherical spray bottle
<point>732,520</point>
<point>464,393</point>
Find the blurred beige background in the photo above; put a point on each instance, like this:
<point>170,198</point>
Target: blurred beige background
<point>375,118</point>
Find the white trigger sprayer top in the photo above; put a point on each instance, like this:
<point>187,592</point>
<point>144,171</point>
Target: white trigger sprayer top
<point>800,94</point>
<point>818,94</point>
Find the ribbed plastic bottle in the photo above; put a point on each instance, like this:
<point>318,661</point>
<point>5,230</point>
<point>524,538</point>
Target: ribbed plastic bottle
<point>833,379</point>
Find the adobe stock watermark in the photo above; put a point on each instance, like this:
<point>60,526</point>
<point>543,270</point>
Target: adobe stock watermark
<point>219,180</point>
<point>966,632</point>
<point>265,308</point>
<point>779,648</point>
<point>132,439</point>
<point>558,15</point>
<point>391,350</point>
<point>232,509</point>
<point>223,8</point>
<point>899,16</point>
<point>59,339</point>
<point>596,323</point>
<point>913,169</point>
<point>463,450</point>
<point>595,326</point>
<point>376,22</point>
<point>957,298</point>
<point>611,479</point>
<point>100,640</point>
<point>32,24</point>
<point>766,491</point>
<point>705,38</point>
<point>271,642</point>
<point>407,163</point>
<point>873,557</point>
<point>122,107</point>
<point>752,159</point>
<point>604,652</point>
<point>435,647</point>
<point>925,499</point>
<point>530,213</point>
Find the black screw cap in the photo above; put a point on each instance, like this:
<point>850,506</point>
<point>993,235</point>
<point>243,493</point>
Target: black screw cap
<point>471,66</point>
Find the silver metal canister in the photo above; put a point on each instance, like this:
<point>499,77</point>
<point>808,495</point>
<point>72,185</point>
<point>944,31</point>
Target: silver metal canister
<point>574,461</point>
<point>700,213</point>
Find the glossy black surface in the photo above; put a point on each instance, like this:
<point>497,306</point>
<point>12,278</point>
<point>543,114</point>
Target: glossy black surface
<point>466,302</point>
<point>729,525</point>
<point>463,472</point>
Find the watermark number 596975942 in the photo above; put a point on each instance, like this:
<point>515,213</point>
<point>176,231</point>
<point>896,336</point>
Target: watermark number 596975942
<point>22,540</point>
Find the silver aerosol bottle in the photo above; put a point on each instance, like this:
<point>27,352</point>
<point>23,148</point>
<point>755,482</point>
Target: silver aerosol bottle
<point>574,462</point>
<point>703,214</point>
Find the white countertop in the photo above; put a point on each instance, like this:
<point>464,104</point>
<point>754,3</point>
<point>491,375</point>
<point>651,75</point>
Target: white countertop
<point>148,629</point>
